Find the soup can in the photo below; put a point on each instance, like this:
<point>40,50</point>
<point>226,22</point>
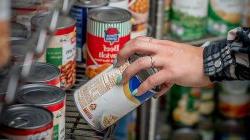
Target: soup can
<point>49,97</point>
<point>26,122</point>
<point>140,11</point>
<point>108,30</point>
<point>119,3</point>
<point>43,73</point>
<point>62,48</point>
<point>79,12</point>
<point>102,101</point>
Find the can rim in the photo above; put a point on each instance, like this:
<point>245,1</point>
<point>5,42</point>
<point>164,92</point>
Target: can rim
<point>80,3</point>
<point>92,11</point>
<point>31,106</point>
<point>31,87</point>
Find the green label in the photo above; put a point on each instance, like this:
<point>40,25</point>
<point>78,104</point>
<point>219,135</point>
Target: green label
<point>54,56</point>
<point>56,132</point>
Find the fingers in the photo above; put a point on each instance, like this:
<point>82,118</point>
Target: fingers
<point>164,89</point>
<point>140,45</point>
<point>141,63</point>
<point>153,81</point>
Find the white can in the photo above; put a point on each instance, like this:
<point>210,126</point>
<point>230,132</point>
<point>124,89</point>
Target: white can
<point>119,3</point>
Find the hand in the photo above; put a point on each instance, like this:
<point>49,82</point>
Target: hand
<point>177,63</point>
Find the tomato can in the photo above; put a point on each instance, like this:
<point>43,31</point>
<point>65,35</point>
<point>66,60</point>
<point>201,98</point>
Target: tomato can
<point>119,3</point>
<point>26,122</point>
<point>103,101</point>
<point>108,30</point>
<point>140,10</point>
<point>49,97</point>
<point>43,73</point>
<point>79,12</point>
<point>61,51</point>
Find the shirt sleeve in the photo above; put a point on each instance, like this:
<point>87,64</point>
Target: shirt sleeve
<point>229,59</point>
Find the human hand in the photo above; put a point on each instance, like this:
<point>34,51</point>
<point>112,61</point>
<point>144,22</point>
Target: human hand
<point>177,63</point>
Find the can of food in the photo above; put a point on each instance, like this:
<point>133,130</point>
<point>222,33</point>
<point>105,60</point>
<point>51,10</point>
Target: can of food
<point>224,16</point>
<point>49,97</point>
<point>26,122</point>
<point>140,11</point>
<point>108,30</point>
<point>43,73</point>
<point>187,134</point>
<point>119,4</point>
<point>79,13</point>
<point>62,48</point>
<point>102,101</point>
<point>188,19</point>
<point>234,105</point>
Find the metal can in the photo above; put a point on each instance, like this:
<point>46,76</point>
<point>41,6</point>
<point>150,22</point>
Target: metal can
<point>26,122</point>
<point>140,11</point>
<point>188,19</point>
<point>102,101</point>
<point>4,81</point>
<point>18,31</point>
<point>108,30</point>
<point>49,97</point>
<point>18,52</point>
<point>62,48</point>
<point>79,13</point>
<point>43,73</point>
<point>224,16</point>
<point>119,4</point>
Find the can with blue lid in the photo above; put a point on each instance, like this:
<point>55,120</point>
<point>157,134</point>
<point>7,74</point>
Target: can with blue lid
<point>102,101</point>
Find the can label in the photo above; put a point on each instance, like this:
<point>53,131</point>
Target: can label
<point>189,19</point>
<point>102,102</point>
<point>61,52</point>
<point>80,15</point>
<point>224,15</point>
<point>55,82</point>
<point>103,43</point>
<point>140,11</point>
<point>58,111</point>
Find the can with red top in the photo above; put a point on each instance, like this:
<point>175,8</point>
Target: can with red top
<point>108,29</point>
<point>49,97</point>
<point>26,122</point>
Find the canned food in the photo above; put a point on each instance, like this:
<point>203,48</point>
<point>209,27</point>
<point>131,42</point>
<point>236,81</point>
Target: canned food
<point>62,48</point>
<point>43,73</point>
<point>188,19</point>
<point>108,30</point>
<point>102,102</point>
<point>52,98</point>
<point>26,122</point>
<point>224,16</point>
<point>234,106</point>
<point>79,13</point>
<point>187,134</point>
<point>140,11</point>
<point>119,4</point>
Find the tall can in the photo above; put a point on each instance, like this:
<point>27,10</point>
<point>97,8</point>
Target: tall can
<point>103,101</point>
<point>108,30</point>
<point>188,19</point>
<point>61,51</point>
<point>224,16</point>
<point>119,4</point>
<point>49,97</point>
<point>26,122</point>
<point>140,12</point>
<point>79,12</point>
<point>43,73</point>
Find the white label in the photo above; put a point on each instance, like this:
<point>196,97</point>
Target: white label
<point>197,8</point>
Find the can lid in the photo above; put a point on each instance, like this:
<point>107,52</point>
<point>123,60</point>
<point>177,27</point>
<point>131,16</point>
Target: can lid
<point>91,3</point>
<point>42,72</point>
<point>25,117</point>
<point>109,15</point>
<point>144,74</point>
<point>40,94</point>
<point>187,134</point>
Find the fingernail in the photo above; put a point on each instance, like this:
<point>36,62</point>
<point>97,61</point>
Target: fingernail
<point>118,80</point>
<point>135,92</point>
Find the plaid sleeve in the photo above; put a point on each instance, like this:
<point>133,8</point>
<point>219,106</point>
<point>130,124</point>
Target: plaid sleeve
<point>229,59</point>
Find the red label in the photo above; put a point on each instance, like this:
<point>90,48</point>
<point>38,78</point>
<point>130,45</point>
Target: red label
<point>55,82</point>
<point>103,50</point>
